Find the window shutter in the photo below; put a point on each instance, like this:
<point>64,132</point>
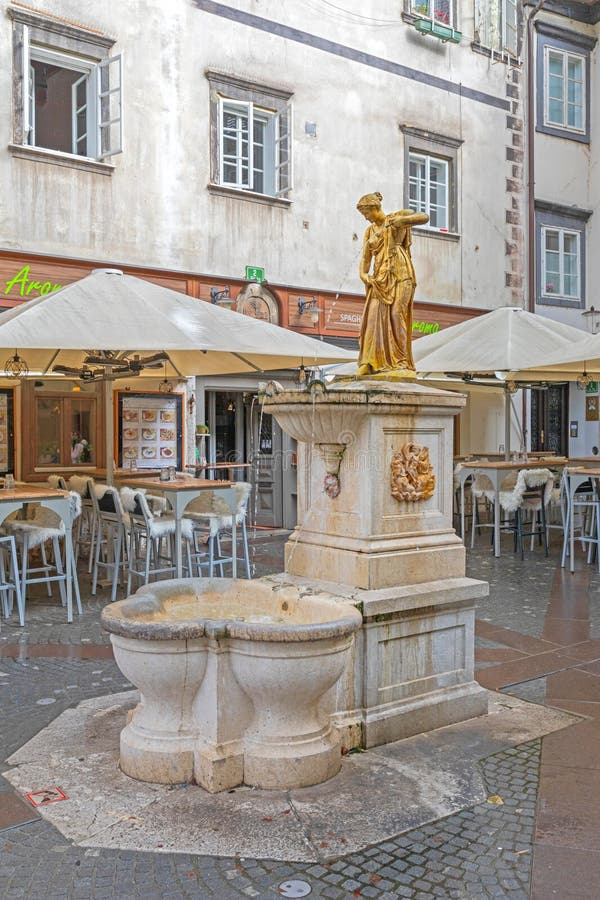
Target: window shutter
<point>79,116</point>
<point>28,90</point>
<point>29,135</point>
<point>487,22</point>
<point>236,144</point>
<point>109,82</point>
<point>283,150</point>
<point>509,26</point>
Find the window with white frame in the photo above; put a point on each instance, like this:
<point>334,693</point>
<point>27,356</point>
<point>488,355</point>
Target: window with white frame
<point>72,105</point>
<point>443,11</point>
<point>561,265</point>
<point>254,147</point>
<point>560,254</point>
<point>496,25</point>
<point>68,90</point>
<point>564,89</point>
<point>563,64</point>
<point>428,188</point>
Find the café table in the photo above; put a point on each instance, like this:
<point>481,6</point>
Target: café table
<point>182,491</point>
<point>228,467</point>
<point>496,472</point>
<point>18,497</point>
<point>584,462</point>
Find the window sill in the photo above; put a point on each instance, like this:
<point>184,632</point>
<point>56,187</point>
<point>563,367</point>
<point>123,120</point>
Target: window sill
<point>503,56</point>
<point>451,236</point>
<point>557,300</point>
<point>55,157</point>
<point>266,199</point>
<point>424,25</point>
<point>564,133</point>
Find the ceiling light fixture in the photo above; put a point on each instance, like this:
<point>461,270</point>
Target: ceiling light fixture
<point>16,367</point>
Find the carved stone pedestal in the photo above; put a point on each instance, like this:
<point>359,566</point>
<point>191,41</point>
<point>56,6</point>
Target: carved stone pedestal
<point>375,527</point>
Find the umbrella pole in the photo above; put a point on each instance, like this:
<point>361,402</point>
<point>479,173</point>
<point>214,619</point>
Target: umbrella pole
<point>109,426</point>
<point>507,412</point>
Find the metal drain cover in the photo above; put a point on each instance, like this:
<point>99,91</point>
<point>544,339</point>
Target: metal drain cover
<point>294,888</point>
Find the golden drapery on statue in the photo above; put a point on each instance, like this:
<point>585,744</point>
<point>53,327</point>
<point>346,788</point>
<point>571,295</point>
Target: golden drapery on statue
<point>386,332</point>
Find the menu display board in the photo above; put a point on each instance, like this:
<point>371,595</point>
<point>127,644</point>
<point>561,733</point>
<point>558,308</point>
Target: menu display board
<point>7,431</point>
<point>150,430</point>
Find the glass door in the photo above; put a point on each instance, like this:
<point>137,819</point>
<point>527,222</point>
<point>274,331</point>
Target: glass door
<point>65,429</point>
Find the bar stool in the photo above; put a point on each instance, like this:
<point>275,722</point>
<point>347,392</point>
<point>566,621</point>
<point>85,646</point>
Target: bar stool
<point>11,585</point>
<point>86,528</point>
<point>111,548</point>
<point>581,496</point>
<point>212,514</point>
<point>531,493</point>
<point>30,533</point>
<point>152,533</point>
<point>57,483</point>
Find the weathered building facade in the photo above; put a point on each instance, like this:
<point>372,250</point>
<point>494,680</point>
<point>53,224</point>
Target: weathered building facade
<point>202,141</point>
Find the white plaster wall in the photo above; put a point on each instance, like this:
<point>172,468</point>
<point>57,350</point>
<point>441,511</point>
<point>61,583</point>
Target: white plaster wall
<point>482,422</point>
<point>566,173</point>
<point>588,432</point>
<point>155,208</point>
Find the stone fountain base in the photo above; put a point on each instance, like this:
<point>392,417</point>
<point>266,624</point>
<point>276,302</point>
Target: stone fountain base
<point>375,528</point>
<point>412,666</point>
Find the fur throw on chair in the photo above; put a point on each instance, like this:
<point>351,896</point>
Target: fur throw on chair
<point>57,482</point>
<point>46,523</point>
<point>83,484</point>
<point>218,514</point>
<point>528,480</point>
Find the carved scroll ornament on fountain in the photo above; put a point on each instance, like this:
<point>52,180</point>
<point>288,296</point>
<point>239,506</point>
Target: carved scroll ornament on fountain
<point>318,418</point>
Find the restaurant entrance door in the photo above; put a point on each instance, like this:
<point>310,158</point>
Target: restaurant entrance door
<point>549,418</point>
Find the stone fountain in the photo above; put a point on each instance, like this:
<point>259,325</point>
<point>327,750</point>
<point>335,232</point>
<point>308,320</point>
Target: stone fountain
<point>368,635</point>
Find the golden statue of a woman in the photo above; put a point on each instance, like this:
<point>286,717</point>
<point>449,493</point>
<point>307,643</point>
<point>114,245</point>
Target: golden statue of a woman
<point>386,332</point>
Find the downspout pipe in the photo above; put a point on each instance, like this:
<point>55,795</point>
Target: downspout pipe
<point>531,72</point>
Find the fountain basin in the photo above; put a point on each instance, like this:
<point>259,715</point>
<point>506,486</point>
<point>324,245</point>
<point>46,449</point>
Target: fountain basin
<point>231,674</point>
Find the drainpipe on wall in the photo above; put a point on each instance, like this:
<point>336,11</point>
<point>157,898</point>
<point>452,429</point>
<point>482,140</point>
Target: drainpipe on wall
<point>531,70</point>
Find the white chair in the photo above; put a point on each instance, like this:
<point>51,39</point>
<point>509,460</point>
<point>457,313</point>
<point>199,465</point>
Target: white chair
<point>154,536</point>
<point>213,519</point>
<point>46,525</point>
<point>57,482</point>
<point>86,528</point>
<point>581,498</point>
<point>483,489</point>
<point>10,584</point>
<point>531,494</point>
<point>111,549</point>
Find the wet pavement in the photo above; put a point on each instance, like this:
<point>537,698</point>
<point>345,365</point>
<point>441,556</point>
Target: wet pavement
<point>533,832</point>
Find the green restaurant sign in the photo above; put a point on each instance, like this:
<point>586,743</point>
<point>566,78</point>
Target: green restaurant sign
<point>426,327</point>
<point>24,285</point>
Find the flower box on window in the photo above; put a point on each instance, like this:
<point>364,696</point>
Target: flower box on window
<point>443,32</point>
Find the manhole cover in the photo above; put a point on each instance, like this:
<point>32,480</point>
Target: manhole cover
<point>294,888</point>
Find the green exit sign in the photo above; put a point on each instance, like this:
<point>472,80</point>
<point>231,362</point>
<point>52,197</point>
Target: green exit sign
<point>253,273</point>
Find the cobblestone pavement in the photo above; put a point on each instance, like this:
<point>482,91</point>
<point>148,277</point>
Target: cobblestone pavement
<point>481,852</point>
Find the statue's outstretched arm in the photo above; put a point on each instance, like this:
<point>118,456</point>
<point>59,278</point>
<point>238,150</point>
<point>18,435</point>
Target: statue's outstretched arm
<point>406,217</point>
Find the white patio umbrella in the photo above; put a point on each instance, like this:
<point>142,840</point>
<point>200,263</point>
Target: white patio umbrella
<point>501,344</point>
<point>115,325</point>
<point>578,361</point>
